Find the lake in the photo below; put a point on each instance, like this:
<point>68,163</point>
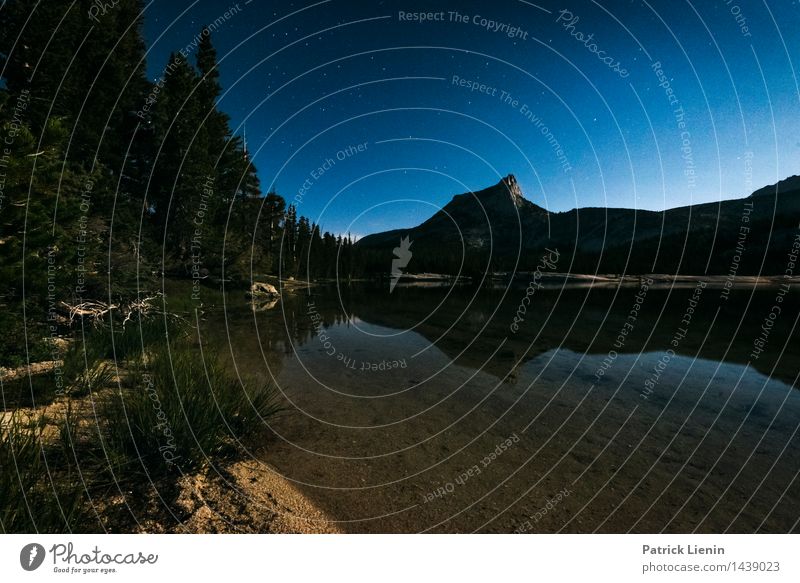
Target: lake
<point>439,408</point>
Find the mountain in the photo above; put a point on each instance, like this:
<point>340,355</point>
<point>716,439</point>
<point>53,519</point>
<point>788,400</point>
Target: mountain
<point>786,185</point>
<point>498,229</point>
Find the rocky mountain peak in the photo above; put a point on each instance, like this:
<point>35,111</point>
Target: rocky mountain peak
<point>510,185</point>
<point>510,182</point>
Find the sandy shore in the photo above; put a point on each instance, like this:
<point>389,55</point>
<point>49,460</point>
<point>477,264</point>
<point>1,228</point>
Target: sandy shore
<point>247,497</point>
<point>230,496</point>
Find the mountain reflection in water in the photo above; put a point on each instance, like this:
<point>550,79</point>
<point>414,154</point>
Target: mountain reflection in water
<point>421,409</point>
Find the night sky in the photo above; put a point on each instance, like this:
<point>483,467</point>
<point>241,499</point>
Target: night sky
<point>695,102</point>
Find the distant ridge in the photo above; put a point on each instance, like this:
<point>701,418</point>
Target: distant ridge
<point>786,185</point>
<point>497,228</point>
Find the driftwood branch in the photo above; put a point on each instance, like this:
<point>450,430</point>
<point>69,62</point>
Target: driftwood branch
<point>89,309</point>
<point>141,307</point>
<point>96,310</point>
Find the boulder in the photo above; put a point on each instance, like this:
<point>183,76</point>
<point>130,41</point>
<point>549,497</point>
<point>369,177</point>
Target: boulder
<point>262,291</point>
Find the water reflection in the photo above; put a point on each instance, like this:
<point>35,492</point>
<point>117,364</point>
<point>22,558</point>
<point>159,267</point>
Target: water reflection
<point>398,395</point>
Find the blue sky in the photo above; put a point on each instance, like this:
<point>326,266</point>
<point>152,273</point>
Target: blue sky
<point>313,80</point>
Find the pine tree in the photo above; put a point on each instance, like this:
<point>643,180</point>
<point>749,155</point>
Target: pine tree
<point>216,123</point>
<point>288,242</point>
<point>65,164</point>
<point>44,231</point>
<point>183,174</point>
<point>303,247</point>
<point>91,77</point>
<point>106,145</point>
<point>316,253</point>
<point>274,209</point>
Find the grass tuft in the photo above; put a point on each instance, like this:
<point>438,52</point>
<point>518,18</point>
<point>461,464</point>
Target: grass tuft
<point>182,411</point>
<point>35,498</point>
<point>174,410</point>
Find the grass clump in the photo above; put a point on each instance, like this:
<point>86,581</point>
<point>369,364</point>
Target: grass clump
<point>182,410</point>
<point>163,408</point>
<point>37,497</point>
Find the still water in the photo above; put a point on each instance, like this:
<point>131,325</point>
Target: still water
<point>577,409</point>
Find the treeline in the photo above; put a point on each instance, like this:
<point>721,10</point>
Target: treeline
<point>109,180</point>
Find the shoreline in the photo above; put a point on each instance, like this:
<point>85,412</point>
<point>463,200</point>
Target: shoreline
<point>230,495</point>
<point>559,279</point>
